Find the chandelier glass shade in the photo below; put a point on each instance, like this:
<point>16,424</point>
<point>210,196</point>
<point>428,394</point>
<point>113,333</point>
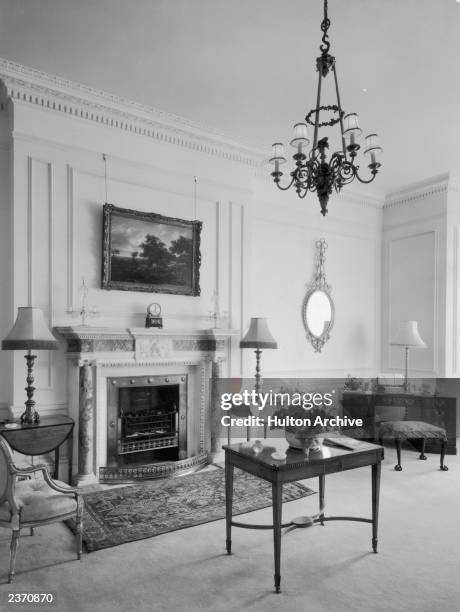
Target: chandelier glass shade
<point>313,171</point>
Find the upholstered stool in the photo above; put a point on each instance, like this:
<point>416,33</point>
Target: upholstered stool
<point>391,423</point>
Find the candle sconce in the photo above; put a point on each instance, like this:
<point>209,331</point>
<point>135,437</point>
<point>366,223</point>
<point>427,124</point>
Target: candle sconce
<point>215,314</point>
<point>84,310</point>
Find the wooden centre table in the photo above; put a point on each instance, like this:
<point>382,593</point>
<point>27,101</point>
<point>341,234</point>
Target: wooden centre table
<point>298,466</point>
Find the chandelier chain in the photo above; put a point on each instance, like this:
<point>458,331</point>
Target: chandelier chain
<point>325,25</point>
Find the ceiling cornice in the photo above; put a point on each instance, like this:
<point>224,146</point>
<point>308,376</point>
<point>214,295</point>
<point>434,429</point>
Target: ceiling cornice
<point>30,86</point>
<point>26,85</point>
<point>419,191</point>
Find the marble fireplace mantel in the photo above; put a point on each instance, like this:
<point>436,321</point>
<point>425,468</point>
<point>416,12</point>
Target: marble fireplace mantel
<point>97,354</point>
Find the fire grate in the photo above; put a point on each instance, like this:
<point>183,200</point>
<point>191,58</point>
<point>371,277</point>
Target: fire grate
<point>144,445</point>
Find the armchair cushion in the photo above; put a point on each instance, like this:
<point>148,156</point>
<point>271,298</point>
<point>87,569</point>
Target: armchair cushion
<point>411,429</point>
<point>38,501</point>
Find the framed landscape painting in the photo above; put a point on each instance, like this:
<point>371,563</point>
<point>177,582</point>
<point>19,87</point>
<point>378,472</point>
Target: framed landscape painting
<point>149,252</point>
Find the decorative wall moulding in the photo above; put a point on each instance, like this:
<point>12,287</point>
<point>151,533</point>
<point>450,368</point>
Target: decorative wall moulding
<point>365,200</point>
<point>27,85</point>
<point>419,191</point>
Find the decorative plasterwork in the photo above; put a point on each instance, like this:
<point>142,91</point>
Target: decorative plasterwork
<point>27,85</point>
<point>418,191</point>
<point>147,344</point>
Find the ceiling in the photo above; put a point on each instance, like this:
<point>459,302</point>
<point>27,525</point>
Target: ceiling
<point>247,67</point>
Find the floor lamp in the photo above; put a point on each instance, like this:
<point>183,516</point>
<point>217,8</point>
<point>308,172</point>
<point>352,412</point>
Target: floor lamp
<point>30,332</point>
<point>409,337</point>
<point>258,337</point>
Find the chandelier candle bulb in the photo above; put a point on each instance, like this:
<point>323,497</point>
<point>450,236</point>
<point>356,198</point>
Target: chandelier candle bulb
<point>277,157</point>
<point>373,149</point>
<point>351,131</point>
<point>350,124</point>
<point>278,153</point>
<point>300,139</point>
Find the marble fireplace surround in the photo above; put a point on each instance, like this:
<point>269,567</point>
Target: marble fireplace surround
<point>96,354</point>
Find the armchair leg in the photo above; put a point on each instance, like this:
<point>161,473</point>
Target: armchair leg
<point>13,550</point>
<point>398,467</point>
<point>444,468</point>
<point>79,527</point>
<point>422,452</point>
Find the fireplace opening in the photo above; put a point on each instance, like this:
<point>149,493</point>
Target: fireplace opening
<point>147,421</point>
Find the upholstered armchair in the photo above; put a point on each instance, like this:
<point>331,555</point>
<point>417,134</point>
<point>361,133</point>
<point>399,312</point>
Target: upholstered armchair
<point>33,501</point>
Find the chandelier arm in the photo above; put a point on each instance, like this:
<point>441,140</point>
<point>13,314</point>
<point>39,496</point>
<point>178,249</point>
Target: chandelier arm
<point>287,186</point>
<point>374,174</point>
<point>341,113</point>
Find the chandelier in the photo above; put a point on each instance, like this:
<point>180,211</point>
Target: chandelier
<point>313,172</point>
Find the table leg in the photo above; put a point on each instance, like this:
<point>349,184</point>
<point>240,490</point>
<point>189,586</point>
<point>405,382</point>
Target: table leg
<point>444,468</point>
<point>70,455</point>
<point>376,468</point>
<point>56,463</point>
<point>228,502</point>
<point>322,485</point>
<point>277,500</point>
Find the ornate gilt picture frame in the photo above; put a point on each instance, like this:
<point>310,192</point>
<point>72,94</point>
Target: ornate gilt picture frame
<point>145,251</point>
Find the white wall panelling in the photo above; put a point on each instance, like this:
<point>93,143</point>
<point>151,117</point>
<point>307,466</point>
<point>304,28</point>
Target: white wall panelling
<point>421,279</point>
<point>58,190</point>
<point>258,244</point>
<point>284,254</point>
<point>6,259</point>
<point>413,287</point>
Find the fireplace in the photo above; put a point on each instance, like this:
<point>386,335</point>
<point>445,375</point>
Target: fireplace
<point>146,419</point>
<point>142,399</point>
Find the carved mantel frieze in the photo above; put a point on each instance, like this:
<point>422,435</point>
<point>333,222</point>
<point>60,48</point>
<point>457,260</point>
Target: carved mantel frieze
<point>144,343</point>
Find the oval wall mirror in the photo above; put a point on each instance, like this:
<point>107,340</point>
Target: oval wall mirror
<point>317,306</point>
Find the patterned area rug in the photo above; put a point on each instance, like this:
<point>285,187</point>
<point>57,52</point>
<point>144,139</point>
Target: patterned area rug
<point>125,514</point>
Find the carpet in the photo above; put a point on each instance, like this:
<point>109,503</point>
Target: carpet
<point>124,514</point>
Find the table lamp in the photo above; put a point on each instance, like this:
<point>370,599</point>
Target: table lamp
<point>258,337</point>
<point>30,332</point>
<point>409,337</point>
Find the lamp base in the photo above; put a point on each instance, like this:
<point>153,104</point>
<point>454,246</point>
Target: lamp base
<point>30,417</point>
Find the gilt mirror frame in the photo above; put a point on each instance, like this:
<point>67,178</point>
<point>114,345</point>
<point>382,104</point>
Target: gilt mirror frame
<point>319,283</point>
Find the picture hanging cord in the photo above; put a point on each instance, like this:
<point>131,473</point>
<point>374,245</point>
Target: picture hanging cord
<point>104,157</point>
<point>195,179</point>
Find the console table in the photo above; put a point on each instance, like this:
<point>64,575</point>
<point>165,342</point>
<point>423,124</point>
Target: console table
<point>434,409</point>
<point>298,466</point>
<point>42,438</point>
